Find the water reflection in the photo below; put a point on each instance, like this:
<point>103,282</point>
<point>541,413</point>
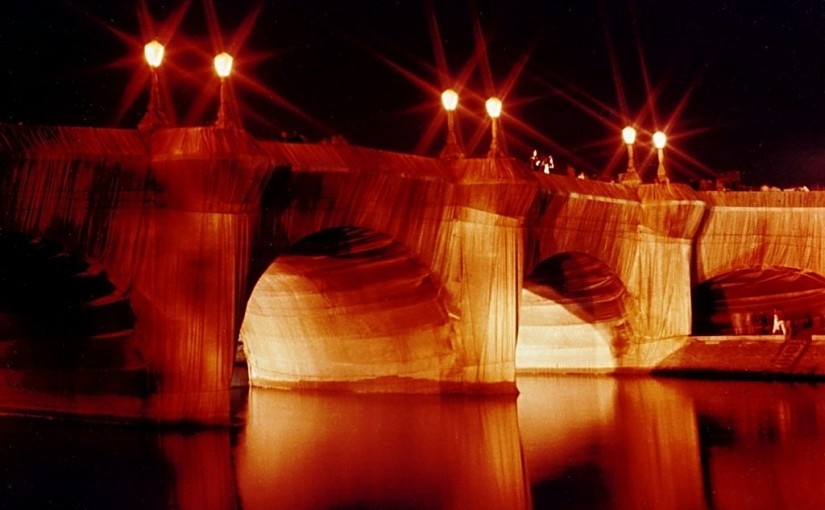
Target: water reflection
<point>609,444</point>
<point>73,465</point>
<point>567,442</point>
<point>303,451</point>
<point>644,443</point>
<point>762,446</point>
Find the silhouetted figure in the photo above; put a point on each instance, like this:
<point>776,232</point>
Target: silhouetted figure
<point>779,323</point>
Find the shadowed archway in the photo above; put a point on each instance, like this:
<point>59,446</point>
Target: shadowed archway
<point>584,284</point>
<point>741,302</point>
<point>64,326</point>
<point>347,307</point>
<point>573,315</point>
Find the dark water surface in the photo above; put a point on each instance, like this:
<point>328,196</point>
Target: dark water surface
<point>565,443</point>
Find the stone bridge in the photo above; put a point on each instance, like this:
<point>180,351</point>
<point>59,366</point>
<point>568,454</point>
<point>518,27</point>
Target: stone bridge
<point>132,264</point>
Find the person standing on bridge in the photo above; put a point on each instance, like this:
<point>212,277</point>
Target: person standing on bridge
<point>779,323</point>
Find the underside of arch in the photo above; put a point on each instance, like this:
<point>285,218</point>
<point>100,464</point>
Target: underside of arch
<point>65,328</point>
<point>573,315</point>
<point>347,308</point>
<point>741,302</point>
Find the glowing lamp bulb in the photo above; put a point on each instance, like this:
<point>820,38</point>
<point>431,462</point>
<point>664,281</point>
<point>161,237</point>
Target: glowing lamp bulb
<point>449,98</point>
<point>629,135</point>
<point>223,64</point>
<point>153,51</point>
<point>659,140</point>
<point>493,106</point>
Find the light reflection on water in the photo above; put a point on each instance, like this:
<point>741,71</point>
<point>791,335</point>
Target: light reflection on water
<point>354,451</point>
<point>566,442</point>
<point>651,443</point>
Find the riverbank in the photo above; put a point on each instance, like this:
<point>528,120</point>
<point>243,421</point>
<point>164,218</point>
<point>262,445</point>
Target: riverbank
<point>750,357</point>
<point>761,357</point>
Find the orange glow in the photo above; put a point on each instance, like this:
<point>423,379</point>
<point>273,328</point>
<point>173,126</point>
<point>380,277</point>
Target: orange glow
<point>449,98</point>
<point>427,469</point>
<point>629,135</point>
<point>153,51</point>
<point>223,64</point>
<point>150,29</point>
<point>659,140</point>
<point>493,106</point>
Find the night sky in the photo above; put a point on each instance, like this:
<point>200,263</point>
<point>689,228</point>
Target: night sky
<point>748,74</point>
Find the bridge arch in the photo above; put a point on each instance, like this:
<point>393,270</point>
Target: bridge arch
<point>350,308</point>
<point>575,314</point>
<point>741,302</point>
<point>65,327</point>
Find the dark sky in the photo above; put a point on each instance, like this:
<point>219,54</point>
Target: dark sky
<point>750,73</point>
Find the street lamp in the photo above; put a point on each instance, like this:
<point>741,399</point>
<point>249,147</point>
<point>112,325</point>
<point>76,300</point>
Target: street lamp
<point>659,141</point>
<point>223,66</point>
<point>493,106</point>
<point>153,52</point>
<point>452,150</point>
<point>629,138</point>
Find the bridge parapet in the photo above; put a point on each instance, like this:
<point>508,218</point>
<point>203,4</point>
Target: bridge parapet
<point>671,210</point>
<point>502,186</point>
<point>207,169</point>
<point>758,229</point>
<point>77,186</point>
<point>71,143</point>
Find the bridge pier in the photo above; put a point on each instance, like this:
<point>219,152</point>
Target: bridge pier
<point>187,300</point>
<point>671,215</point>
<point>483,278</point>
<point>190,290</point>
<point>485,265</point>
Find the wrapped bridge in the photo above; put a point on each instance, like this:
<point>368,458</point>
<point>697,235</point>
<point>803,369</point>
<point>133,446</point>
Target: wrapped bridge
<point>132,264</point>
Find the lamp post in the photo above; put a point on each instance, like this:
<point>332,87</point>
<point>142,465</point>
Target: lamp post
<point>629,138</point>
<point>659,141</point>
<point>153,52</point>
<point>452,150</point>
<point>223,66</point>
<point>493,106</point>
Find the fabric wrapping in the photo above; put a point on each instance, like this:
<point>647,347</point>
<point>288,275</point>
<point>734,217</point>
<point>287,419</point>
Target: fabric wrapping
<point>644,242</point>
<point>758,250</point>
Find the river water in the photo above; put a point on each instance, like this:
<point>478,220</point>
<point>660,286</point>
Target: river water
<point>564,443</point>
